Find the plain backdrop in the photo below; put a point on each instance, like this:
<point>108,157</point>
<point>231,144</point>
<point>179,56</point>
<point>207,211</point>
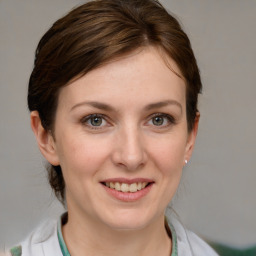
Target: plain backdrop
<point>217,196</point>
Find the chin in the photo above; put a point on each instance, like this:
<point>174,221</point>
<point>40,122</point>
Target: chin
<point>129,220</point>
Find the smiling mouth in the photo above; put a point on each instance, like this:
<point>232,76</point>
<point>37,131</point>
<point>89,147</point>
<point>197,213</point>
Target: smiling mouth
<point>125,187</point>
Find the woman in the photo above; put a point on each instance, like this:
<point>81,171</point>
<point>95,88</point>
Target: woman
<point>113,101</point>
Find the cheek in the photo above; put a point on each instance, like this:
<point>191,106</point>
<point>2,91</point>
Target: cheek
<point>169,160</point>
<point>81,156</point>
<point>168,154</point>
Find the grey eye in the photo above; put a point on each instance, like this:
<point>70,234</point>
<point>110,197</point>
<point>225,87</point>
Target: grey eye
<point>158,120</point>
<point>96,121</point>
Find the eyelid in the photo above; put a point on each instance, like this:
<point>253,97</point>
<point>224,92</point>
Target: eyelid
<point>85,119</point>
<point>170,118</point>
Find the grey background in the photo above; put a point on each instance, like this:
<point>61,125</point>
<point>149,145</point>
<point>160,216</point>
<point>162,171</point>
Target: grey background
<point>217,196</point>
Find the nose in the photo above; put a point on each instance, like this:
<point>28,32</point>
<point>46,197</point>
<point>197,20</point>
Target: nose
<point>129,150</point>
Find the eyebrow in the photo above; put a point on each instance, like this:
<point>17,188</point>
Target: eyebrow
<point>107,107</point>
<point>94,104</point>
<point>163,104</point>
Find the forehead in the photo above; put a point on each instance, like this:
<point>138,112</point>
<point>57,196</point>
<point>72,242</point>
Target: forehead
<point>144,75</point>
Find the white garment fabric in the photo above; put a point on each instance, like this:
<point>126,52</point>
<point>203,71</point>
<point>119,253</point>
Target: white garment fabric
<point>44,241</point>
<point>189,244</point>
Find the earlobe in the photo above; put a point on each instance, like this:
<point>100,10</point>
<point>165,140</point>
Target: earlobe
<point>192,138</point>
<point>44,139</point>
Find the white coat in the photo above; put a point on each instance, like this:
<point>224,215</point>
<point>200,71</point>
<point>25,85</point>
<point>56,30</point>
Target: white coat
<point>44,241</point>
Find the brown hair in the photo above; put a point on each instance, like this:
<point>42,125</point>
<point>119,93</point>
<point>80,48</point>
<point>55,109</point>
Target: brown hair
<point>95,33</point>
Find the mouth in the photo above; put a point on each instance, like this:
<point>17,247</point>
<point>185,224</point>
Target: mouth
<point>125,187</point>
<point>128,190</point>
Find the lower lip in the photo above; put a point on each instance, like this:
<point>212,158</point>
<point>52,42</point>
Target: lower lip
<point>128,196</point>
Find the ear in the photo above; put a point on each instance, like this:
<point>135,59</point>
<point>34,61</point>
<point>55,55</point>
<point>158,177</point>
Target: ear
<point>192,138</point>
<point>44,139</point>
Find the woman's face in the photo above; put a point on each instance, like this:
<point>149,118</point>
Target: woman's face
<point>121,140</point>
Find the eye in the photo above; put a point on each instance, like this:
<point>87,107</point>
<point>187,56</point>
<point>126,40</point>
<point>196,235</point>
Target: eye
<point>94,121</point>
<point>161,120</point>
<point>158,120</point>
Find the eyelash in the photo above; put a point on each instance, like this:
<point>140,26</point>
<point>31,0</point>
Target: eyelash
<point>170,119</point>
<point>86,119</point>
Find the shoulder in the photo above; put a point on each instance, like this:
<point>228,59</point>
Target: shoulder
<point>188,243</point>
<point>42,241</point>
<point>199,246</point>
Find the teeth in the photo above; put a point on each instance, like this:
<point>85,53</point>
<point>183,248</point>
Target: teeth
<point>117,186</point>
<point>144,184</point>
<point>124,187</point>
<point>133,187</point>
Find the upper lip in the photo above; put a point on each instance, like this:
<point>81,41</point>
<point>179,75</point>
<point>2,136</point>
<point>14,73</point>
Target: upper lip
<point>127,181</point>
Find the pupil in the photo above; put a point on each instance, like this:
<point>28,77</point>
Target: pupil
<point>158,120</point>
<point>96,121</point>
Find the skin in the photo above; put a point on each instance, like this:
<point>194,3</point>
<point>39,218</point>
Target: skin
<point>127,144</point>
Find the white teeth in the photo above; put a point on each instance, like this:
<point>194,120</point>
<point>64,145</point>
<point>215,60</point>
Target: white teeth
<point>124,187</point>
<point>133,187</point>
<point>117,186</point>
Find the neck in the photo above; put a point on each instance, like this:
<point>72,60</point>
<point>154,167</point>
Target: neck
<point>83,236</point>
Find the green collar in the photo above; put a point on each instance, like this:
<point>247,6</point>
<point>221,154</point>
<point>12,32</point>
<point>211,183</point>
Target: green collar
<point>173,235</point>
<point>63,219</point>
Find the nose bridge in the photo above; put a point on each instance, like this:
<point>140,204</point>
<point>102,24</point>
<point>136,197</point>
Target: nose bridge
<point>129,150</point>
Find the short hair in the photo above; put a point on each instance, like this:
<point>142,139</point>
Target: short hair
<point>92,35</point>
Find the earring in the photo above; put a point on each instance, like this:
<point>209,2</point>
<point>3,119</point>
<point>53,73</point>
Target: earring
<point>186,161</point>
